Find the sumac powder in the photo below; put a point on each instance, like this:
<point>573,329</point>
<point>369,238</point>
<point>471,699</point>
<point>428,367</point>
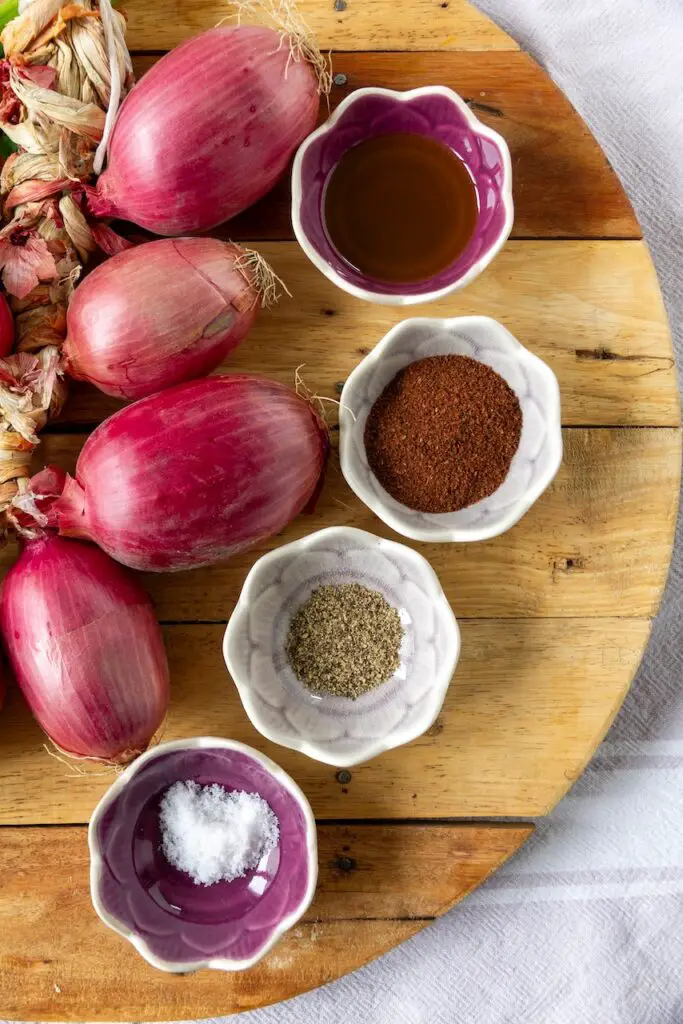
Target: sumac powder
<point>443,433</point>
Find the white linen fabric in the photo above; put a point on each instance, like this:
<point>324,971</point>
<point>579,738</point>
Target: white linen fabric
<point>585,924</point>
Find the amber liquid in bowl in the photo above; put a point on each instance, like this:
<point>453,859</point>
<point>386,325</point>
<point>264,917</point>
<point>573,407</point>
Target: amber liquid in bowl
<point>400,208</point>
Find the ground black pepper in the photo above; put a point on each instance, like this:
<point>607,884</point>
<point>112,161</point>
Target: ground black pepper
<point>443,433</point>
<point>344,640</point>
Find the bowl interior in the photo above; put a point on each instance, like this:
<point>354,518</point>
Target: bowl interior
<point>535,461</point>
<point>437,116</point>
<point>340,727</point>
<point>178,920</point>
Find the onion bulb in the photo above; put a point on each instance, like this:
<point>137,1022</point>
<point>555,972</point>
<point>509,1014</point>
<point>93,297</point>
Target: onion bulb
<point>209,129</point>
<point>195,473</point>
<point>162,313</point>
<point>86,649</point>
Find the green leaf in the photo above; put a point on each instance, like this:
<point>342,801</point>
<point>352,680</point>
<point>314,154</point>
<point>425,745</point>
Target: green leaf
<point>9,9</point>
<point>6,146</point>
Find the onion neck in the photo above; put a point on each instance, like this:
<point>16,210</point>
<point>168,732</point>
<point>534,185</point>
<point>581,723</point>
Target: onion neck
<point>30,510</point>
<point>70,510</point>
<point>98,202</point>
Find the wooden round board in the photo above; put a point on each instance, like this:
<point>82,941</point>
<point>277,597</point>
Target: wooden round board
<point>554,614</point>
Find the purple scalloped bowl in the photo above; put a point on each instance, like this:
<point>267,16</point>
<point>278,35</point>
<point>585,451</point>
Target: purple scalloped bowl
<point>440,114</point>
<point>173,923</point>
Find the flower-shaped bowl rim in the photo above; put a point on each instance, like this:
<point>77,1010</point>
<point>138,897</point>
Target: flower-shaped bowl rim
<point>96,860</point>
<point>371,500</point>
<point>308,747</point>
<point>402,96</point>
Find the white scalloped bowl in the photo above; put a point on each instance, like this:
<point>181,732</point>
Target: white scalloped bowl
<point>337,730</point>
<point>535,463</point>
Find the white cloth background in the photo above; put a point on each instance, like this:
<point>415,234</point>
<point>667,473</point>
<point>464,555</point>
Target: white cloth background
<point>585,925</point>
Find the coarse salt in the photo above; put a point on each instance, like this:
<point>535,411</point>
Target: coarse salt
<point>214,834</point>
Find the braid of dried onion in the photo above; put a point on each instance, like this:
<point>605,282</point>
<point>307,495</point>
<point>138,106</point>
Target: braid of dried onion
<point>66,69</point>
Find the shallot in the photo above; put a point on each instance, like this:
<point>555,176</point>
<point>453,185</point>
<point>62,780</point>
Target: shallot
<point>210,128</point>
<point>195,473</point>
<point>86,649</point>
<point>162,313</point>
<point>6,327</point>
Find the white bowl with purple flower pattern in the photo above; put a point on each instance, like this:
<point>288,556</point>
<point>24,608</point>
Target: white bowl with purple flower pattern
<point>337,730</point>
<point>533,466</point>
<point>433,111</point>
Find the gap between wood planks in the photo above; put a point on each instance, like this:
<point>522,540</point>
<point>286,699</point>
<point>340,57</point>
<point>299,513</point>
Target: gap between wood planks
<point>548,140</point>
<point>503,821</point>
<point>84,429</point>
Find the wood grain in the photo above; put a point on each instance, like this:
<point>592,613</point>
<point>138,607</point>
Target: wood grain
<point>591,309</point>
<point>379,25</point>
<point>84,986</point>
<point>595,544</point>
<point>563,185</point>
<point>361,909</point>
<point>522,715</point>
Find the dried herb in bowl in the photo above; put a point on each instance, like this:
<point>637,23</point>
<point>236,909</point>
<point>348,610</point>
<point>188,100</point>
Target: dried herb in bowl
<point>345,640</point>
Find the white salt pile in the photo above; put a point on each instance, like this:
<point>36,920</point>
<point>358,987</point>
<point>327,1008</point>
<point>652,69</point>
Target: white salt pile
<point>215,834</point>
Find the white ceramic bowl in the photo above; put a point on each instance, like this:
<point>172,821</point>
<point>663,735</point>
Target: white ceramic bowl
<point>174,924</point>
<point>433,111</point>
<point>535,463</point>
<point>337,730</point>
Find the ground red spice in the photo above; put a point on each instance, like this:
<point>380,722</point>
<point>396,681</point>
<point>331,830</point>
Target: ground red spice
<point>443,433</point>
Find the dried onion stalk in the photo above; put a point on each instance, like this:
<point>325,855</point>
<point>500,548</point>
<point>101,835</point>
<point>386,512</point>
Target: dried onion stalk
<point>66,69</point>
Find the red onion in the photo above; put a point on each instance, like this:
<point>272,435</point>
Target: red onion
<point>162,313</point>
<point>85,647</point>
<point>195,473</point>
<point>6,327</point>
<point>208,130</point>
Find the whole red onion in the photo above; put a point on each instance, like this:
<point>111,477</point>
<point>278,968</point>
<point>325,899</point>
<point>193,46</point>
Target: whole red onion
<point>195,473</point>
<point>161,313</point>
<point>86,649</point>
<point>6,327</point>
<point>208,130</point>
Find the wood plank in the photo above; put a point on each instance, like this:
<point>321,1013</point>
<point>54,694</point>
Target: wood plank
<point>368,871</point>
<point>563,185</point>
<point>592,310</point>
<point>85,987</point>
<point>585,548</point>
<point>521,718</point>
<point>58,962</point>
<point>381,25</point>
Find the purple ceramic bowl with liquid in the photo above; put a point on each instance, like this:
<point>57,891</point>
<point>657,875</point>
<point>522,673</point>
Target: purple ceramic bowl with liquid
<point>173,923</point>
<point>433,111</point>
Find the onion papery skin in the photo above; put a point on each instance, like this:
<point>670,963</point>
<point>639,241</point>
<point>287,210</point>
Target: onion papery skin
<point>207,131</point>
<point>196,473</point>
<point>86,649</point>
<point>159,314</point>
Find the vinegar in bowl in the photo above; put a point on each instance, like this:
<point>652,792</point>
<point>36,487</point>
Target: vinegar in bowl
<point>400,207</point>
